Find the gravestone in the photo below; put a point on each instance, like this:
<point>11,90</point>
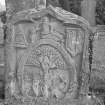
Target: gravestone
<point>97,77</point>
<point>46,56</point>
<point>98,66</point>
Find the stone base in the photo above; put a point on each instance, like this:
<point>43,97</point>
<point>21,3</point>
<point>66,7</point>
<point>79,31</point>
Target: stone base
<point>86,100</point>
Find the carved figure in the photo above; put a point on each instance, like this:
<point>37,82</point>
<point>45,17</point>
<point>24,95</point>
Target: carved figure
<point>47,49</point>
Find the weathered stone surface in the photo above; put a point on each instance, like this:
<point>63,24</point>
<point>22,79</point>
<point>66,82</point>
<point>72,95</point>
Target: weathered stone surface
<point>1,33</point>
<point>1,56</point>
<point>97,80</point>
<point>88,8</point>
<point>98,66</point>
<point>2,61</point>
<point>46,53</point>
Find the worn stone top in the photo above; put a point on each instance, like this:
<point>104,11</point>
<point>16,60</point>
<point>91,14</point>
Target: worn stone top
<point>60,14</point>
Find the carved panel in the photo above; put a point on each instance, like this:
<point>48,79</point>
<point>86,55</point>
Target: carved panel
<point>46,57</point>
<point>98,50</point>
<point>25,33</point>
<point>47,64</point>
<point>98,66</point>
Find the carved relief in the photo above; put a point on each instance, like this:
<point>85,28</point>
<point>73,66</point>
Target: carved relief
<point>46,56</point>
<point>98,66</point>
<point>49,73</point>
<point>98,56</point>
<point>74,43</point>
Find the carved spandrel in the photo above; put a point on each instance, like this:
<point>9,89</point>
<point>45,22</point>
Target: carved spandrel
<point>74,41</point>
<point>30,34</point>
<point>25,34</point>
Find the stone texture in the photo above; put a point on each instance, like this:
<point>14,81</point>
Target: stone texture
<point>98,66</point>
<point>46,56</point>
<point>14,6</point>
<point>88,8</point>
<point>46,52</point>
<point>2,61</point>
<point>45,46</point>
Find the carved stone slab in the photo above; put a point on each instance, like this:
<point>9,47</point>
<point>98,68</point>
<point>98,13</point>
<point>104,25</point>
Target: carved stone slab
<point>46,50</point>
<point>98,66</point>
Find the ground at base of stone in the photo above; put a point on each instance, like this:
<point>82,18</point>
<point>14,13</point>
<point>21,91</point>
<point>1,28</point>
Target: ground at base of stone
<point>53,102</point>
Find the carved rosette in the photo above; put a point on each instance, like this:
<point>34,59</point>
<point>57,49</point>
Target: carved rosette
<point>46,48</point>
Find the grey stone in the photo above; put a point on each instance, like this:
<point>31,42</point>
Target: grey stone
<point>46,54</point>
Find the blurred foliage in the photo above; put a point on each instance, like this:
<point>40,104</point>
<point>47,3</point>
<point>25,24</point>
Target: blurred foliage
<point>55,3</point>
<point>71,6</point>
<point>100,12</point>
